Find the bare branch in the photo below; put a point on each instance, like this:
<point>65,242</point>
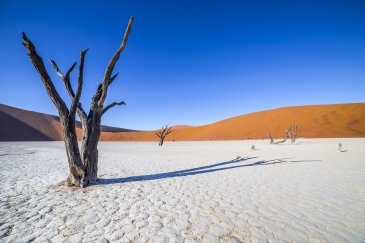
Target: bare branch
<point>76,99</point>
<point>113,61</point>
<point>112,105</point>
<point>70,91</point>
<point>43,74</point>
<point>96,97</point>
<point>97,94</point>
<point>55,66</point>
<point>113,77</point>
<point>71,68</point>
<point>65,78</point>
<point>168,131</point>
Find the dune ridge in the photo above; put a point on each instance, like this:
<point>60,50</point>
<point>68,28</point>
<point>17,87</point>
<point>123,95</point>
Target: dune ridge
<point>315,121</point>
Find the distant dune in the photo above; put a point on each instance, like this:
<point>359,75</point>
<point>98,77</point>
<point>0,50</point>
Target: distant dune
<point>22,125</point>
<point>315,121</point>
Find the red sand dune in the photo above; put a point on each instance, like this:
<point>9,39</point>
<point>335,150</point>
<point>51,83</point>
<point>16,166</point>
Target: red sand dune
<point>317,121</point>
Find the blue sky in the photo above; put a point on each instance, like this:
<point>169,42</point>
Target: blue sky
<point>189,62</point>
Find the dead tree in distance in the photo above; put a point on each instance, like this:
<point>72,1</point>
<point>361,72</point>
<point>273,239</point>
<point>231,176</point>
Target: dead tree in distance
<point>83,165</point>
<point>291,133</point>
<point>270,137</point>
<point>162,133</point>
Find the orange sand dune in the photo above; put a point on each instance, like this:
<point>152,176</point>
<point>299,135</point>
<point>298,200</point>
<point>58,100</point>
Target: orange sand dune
<point>316,121</point>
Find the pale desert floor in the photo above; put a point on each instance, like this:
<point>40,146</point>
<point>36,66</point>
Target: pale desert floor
<point>187,192</point>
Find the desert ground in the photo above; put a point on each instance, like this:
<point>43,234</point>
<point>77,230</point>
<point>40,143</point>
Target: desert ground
<point>187,192</point>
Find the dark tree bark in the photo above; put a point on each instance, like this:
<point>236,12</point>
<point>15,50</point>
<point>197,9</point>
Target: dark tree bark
<point>162,133</point>
<point>83,166</point>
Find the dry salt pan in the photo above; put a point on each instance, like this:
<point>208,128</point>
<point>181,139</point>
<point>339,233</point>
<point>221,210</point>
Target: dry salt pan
<point>187,191</point>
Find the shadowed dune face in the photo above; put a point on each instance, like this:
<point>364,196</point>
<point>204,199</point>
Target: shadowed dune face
<point>21,125</point>
<point>318,121</point>
<point>23,131</point>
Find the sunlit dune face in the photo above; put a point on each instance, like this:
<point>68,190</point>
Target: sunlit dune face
<point>344,120</point>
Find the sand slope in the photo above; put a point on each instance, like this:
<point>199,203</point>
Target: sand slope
<point>317,121</point>
<point>342,120</point>
<point>22,125</point>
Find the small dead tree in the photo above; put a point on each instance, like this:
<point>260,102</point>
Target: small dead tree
<point>277,142</point>
<point>83,165</point>
<point>270,137</point>
<point>291,133</point>
<point>162,133</point>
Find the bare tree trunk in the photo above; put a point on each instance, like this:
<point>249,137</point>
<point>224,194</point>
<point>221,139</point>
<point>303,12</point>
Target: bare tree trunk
<point>89,146</point>
<point>76,176</point>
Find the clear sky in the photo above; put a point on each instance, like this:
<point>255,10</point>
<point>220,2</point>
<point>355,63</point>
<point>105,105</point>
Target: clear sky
<point>189,62</point>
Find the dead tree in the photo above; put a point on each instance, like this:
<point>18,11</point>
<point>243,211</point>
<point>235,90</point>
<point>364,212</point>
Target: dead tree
<point>291,133</point>
<point>83,165</point>
<point>277,142</point>
<point>286,136</point>
<point>270,137</point>
<point>162,133</point>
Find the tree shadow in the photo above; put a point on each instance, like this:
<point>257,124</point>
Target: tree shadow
<point>199,170</point>
<point>343,150</point>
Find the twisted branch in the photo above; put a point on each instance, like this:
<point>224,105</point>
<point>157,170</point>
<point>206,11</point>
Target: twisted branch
<point>112,105</point>
<point>37,61</point>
